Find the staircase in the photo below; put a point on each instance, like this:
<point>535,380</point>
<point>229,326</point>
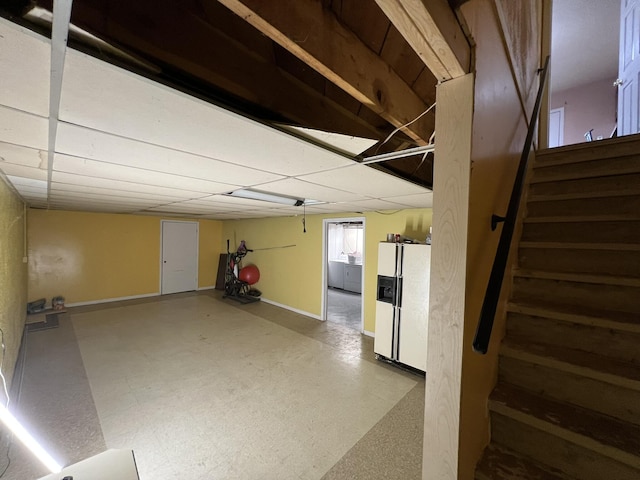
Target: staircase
<point>567,402</point>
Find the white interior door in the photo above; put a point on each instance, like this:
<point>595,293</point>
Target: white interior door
<point>179,256</point>
<point>556,127</point>
<point>629,68</point>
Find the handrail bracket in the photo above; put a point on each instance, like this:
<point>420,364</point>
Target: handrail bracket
<point>495,220</point>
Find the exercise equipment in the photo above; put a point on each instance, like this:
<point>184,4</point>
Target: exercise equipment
<point>234,286</point>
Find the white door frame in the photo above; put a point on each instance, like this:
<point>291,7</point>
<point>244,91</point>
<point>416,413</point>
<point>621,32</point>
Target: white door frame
<point>325,270</point>
<point>197,224</point>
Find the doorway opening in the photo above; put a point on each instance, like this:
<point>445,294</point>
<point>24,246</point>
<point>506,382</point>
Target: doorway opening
<point>593,78</point>
<point>343,268</point>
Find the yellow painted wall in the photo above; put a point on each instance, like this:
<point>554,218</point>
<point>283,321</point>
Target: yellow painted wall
<point>499,130</point>
<point>293,276</point>
<point>13,277</point>
<point>88,257</point>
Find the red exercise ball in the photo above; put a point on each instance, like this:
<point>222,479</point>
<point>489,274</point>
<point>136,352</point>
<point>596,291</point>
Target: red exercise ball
<point>250,274</point>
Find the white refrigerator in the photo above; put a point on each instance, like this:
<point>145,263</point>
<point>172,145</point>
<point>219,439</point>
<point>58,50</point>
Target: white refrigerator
<point>402,303</point>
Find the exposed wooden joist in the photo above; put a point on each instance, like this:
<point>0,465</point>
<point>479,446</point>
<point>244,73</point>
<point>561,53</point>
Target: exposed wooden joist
<point>240,68</point>
<point>315,36</point>
<point>432,30</point>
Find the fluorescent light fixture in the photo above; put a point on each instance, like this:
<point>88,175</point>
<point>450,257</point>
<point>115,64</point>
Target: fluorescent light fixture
<point>266,197</point>
<point>28,441</point>
<point>401,154</point>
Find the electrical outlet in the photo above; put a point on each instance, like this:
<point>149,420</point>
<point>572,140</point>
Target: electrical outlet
<point>25,259</point>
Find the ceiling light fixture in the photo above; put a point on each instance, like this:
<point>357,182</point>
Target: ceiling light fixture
<point>28,441</point>
<point>384,157</point>
<point>266,197</point>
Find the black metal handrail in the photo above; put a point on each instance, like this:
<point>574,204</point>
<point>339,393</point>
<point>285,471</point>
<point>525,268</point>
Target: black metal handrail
<point>490,304</point>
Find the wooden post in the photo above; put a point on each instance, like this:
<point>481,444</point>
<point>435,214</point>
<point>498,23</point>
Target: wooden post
<point>452,170</point>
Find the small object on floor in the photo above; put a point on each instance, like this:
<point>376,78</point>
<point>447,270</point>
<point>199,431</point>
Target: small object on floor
<point>36,306</point>
<point>244,299</point>
<point>57,303</point>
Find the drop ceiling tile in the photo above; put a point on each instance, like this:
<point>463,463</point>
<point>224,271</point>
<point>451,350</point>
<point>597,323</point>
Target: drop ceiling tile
<point>25,66</point>
<point>424,200</point>
<point>199,204</point>
<point>375,204</point>
<point>134,107</point>
<point>90,207</point>
<point>95,145</point>
<point>22,171</point>
<point>25,129</point>
<point>346,143</point>
<point>178,208</point>
<point>236,202</point>
<point>27,182</point>
<point>165,214</point>
<point>365,181</point>
<point>96,197</point>
<point>304,190</point>
<point>92,168</point>
<point>132,194</point>
<point>30,197</point>
<point>342,207</point>
<point>19,155</point>
<point>105,183</point>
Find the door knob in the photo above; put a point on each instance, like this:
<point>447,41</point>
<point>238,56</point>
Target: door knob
<point>618,82</point>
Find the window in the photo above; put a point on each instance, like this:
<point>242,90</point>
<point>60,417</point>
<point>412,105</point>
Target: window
<point>345,239</point>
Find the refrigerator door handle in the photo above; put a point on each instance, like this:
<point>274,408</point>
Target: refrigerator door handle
<point>395,349</point>
<point>399,292</point>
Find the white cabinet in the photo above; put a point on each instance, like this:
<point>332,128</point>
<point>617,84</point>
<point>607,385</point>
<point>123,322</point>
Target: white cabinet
<point>353,278</point>
<point>336,275</point>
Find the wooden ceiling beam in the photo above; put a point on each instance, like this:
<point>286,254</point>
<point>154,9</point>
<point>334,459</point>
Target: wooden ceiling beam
<point>233,66</point>
<point>431,28</point>
<point>313,34</point>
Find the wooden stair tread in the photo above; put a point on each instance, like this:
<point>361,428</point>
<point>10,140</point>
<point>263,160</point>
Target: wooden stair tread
<point>579,277</point>
<point>631,247</point>
<point>603,432</point>
<point>579,362</point>
<point>584,218</point>
<point>500,463</point>
<point>579,195</point>
<point>586,316</point>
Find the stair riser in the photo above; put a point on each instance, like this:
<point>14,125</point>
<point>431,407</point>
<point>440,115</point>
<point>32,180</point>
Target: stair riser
<point>609,148</point>
<point>582,232</point>
<point>627,205</point>
<point>608,262</point>
<point>610,343</point>
<point>613,400</point>
<point>590,169</point>
<point>588,185</point>
<point>604,297</point>
<point>557,452</point>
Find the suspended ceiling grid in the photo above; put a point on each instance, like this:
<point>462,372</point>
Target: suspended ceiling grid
<point>126,144</point>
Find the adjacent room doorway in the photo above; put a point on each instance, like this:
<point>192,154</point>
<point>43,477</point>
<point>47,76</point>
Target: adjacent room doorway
<point>343,270</point>
<point>179,257</point>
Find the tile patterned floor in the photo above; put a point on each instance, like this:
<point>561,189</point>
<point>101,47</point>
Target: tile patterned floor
<point>344,308</point>
<point>207,389</point>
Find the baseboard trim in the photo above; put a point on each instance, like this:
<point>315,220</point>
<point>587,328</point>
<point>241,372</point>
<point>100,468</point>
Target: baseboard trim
<point>210,287</point>
<point>369,334</point>
<point>287,307</point>
<point>108,300</point>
